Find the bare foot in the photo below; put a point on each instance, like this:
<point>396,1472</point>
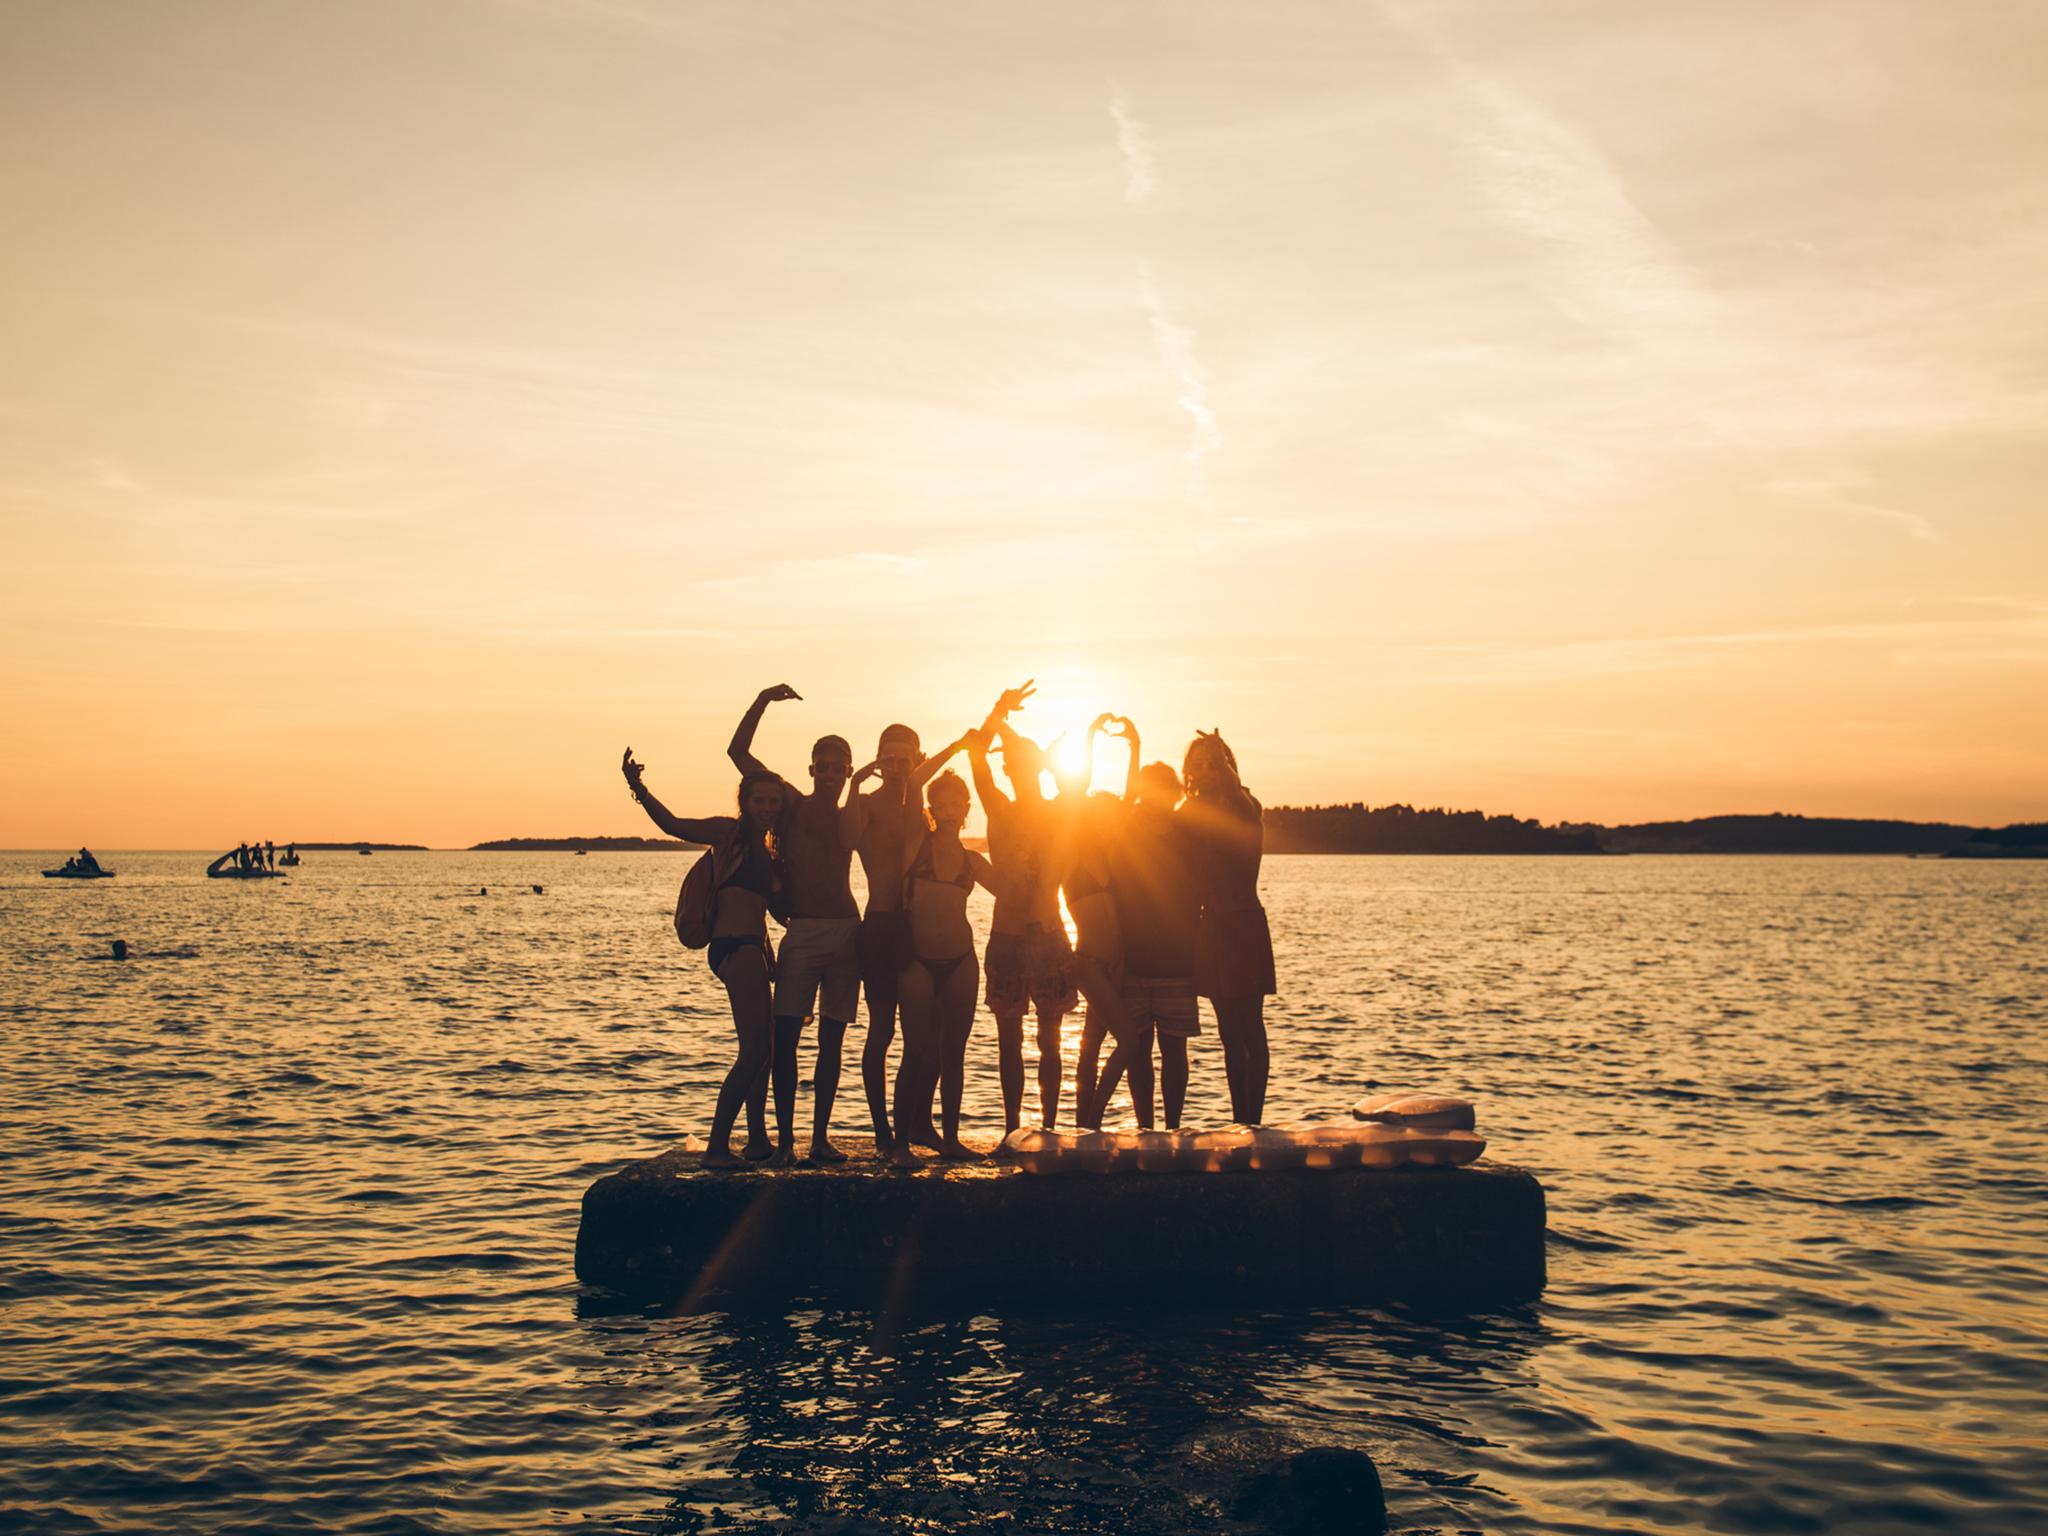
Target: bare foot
<point>758,1151</point>
<point>1002,1153</point>
<point>884,1145</point>
<point>825,1152</point>
<point>719,1157</point>
<point>926,1137</point>
<point>781,1157</point>
<point>959,1152</point>
<point>901,1156</point>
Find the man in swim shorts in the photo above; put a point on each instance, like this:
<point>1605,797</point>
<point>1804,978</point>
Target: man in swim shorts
<point>817,971</point>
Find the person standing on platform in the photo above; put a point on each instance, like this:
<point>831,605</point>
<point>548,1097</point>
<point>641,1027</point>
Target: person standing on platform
<point>1158,902</point>
<point>885,825</point>
<point>1233,943</point>
<point>816,971</point>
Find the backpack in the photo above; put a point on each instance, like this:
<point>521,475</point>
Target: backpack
<point>697,901</point>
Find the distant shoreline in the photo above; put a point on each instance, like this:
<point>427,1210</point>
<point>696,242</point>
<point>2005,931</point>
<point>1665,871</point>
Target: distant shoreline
<point>1401,829</point>
<point>584,845</point>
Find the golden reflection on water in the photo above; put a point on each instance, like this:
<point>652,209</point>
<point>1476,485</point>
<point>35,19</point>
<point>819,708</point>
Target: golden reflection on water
<point>290,1196</point>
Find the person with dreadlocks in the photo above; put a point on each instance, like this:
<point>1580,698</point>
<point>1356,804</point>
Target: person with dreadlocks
<point>1233,944</point>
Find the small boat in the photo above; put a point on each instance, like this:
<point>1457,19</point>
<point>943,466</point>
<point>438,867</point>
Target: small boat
<point>288,861</point>
<point>366,852</point>
<point>73,872</point>
<point>581,852</point>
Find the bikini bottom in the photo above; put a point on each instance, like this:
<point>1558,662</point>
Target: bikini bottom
<point>723,948</point>
<point>941,971</point>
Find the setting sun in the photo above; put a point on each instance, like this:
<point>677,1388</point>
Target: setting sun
<point>1448,415</point>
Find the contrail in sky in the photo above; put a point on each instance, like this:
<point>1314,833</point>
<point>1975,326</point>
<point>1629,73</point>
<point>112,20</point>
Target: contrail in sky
<point>1175,341</point>
<point>1177,350</point>
<point>1135,148</point>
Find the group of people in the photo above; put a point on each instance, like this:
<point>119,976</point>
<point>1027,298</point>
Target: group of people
<point>254,856</point>
<point>82,863</point>
<point>1161,882</point>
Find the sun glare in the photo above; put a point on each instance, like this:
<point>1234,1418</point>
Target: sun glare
<point>1072,756</point>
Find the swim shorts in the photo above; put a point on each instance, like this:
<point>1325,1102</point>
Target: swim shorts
<point>1167,1002</point>
<point>817,971</point>
<point>1034,970</point>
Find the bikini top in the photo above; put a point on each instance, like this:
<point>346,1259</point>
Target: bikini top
<point>925,867</point>
<point>1082,883</point>
<point>755,871</point>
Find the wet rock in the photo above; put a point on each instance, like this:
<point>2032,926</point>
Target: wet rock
<point>1326,1490</point>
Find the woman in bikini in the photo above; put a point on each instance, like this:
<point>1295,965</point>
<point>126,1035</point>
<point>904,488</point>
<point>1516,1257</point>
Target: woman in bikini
<point>936,990</point>
<point>1233,944</point>
<point>747,880</point>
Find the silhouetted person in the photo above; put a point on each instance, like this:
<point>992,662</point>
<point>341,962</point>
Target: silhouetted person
<point>1028,962</point>
<point>1158,904</point>
<point>85,862</point>
<point>746,879</point>
<point>886,824</point>
<point>937,986</point>
<point>1087,838</point>
<point>818,969</point>
<point>1233,944</point>
<point>269,854</point>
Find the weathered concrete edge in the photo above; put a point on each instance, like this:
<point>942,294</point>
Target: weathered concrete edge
<point>1455,1237</point>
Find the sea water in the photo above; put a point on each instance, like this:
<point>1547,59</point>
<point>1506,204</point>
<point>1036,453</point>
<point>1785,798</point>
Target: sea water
<point>287,1203</point>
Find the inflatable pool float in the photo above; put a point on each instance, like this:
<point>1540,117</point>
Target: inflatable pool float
<point>1426,1111</point>
<point>78,874</point>
<point>1328,1145</point>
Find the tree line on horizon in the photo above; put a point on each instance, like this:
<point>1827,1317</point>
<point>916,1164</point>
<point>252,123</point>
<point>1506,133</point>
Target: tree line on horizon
<point>1361,828</point>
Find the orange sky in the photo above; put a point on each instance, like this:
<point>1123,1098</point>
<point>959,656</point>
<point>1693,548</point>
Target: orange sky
<point>1592,411</point>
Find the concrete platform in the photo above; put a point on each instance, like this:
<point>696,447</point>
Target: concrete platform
<point>663,1230</point>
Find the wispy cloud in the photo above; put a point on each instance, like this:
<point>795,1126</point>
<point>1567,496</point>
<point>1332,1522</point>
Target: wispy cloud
<point>1135,146</point>
<point>1609,265</point>
<point>1840,496</point>
<point>1177,351</point>
<point>1175,341</point>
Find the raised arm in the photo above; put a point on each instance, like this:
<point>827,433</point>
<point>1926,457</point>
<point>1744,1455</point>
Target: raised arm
<point>853,816</point>
<point>697,829</point>
<point>984,779</point>
<point>928,770</point>
<point>1008,703</point>
<point>741,751</point>
<point>1129,732</point>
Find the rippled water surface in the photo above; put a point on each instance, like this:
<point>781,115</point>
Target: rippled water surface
<point>287,1204</point>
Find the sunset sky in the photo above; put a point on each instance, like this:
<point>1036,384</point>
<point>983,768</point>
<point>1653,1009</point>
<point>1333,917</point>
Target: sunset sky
<point>1593,411</point>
